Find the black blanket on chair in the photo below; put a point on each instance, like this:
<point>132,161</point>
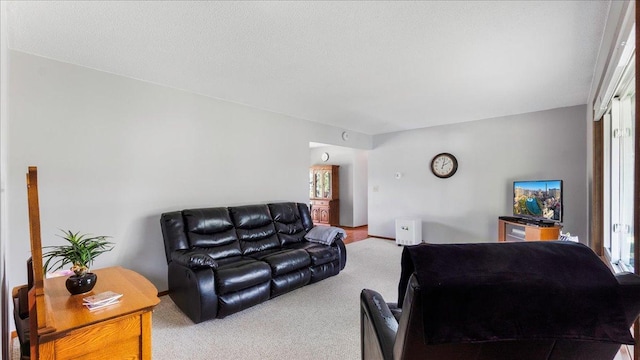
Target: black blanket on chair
<point>515,291</point>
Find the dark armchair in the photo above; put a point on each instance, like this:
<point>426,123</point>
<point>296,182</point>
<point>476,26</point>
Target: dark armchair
<point>534,300</point>
<point>20,295</point>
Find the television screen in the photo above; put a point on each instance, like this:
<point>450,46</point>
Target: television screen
<point>540,199</point>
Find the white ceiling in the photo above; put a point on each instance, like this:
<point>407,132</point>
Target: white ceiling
<point>372,67</point>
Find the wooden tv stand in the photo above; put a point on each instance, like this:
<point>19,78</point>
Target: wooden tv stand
<point>514,231</point>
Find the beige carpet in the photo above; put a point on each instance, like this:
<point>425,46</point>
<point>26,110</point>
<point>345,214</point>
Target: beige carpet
<point>318,321</point>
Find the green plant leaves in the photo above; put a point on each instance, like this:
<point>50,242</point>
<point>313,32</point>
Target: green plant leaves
<point>81,251</point>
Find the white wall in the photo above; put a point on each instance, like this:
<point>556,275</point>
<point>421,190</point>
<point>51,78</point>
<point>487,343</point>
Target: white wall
<point>4,282</point>
<point>113,153</point>
<point>353,181</point>
<point>491,154</point>
<point>360,193</point>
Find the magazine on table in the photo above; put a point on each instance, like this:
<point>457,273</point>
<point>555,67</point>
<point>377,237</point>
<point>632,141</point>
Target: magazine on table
<point>101,300</point>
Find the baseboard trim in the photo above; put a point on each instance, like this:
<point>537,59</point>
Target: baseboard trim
<point>381,237</point>
<point>163,293</point>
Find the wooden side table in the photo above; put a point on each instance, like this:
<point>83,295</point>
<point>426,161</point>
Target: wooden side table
<point>119,331</point>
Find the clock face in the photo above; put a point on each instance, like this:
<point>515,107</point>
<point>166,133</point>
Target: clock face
<point>444,165</point>
<point>325,156</point>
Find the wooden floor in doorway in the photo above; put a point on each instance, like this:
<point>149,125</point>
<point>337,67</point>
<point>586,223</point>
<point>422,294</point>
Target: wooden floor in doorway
<point>356,233</point>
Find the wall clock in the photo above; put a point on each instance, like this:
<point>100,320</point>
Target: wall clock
<point>325,156</point>
<point>444,165</point>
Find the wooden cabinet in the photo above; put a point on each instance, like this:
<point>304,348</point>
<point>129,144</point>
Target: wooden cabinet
<point>324,193</point>
<point>513,231</point>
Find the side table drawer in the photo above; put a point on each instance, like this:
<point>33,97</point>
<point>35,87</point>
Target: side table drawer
<point>120,339</point>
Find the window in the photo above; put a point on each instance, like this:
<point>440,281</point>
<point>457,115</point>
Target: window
<point>619,139</point>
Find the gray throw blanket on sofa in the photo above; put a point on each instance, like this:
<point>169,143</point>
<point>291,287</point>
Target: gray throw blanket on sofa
<point>325,234</point>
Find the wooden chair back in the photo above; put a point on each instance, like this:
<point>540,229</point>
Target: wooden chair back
<point>37,307</point>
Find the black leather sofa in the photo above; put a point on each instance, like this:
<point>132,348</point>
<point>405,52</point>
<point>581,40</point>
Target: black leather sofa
<point>225,259</point>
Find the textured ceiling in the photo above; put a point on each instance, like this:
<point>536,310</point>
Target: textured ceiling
<point>371,67</point>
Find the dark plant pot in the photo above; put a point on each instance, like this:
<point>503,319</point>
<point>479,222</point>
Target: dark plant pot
<point>79,284</point>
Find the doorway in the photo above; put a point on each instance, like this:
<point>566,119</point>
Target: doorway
<point>353,180</point>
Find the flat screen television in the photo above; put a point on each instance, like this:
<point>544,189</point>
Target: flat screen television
<point>538,199</point>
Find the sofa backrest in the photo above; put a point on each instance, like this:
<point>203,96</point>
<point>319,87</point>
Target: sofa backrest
<point>224,232</point>
<point>288,222</point>
<point>213,230</point>
<point>173,233</point>
<point>305,216</point>
<point>254,228</point>
<point>410,343</point>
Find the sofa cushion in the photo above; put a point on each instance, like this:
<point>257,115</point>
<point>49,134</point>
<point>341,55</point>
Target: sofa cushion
<point>303,245</point>
<point>233,259</point>
<point>212,228</point>
<point>284,261</point>
<point>305,216</point>
<point>236,301</point>
<point>250,216</point>
<point>290,281</point>
<point>285,212</point>
<point>320,254</point>
<point>254,228</point>
<point>320,272</point>
<point>288,223</point>
<point>241,274</point>
<point>290,237</point>
<point>173,233</point>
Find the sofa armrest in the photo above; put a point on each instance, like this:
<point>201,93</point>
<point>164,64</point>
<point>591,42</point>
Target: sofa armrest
<point>628,279</point>
<point>378,326</point>
<point>194,259</point>
<point>193,291</point>
<point>630,294</point>
<point>342,250</point>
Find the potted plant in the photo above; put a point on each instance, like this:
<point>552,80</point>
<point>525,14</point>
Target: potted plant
<point>80,252</point>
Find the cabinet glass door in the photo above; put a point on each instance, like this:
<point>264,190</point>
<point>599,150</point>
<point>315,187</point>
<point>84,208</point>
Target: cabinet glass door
<point>327,184</point>
<point>319,186</point>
